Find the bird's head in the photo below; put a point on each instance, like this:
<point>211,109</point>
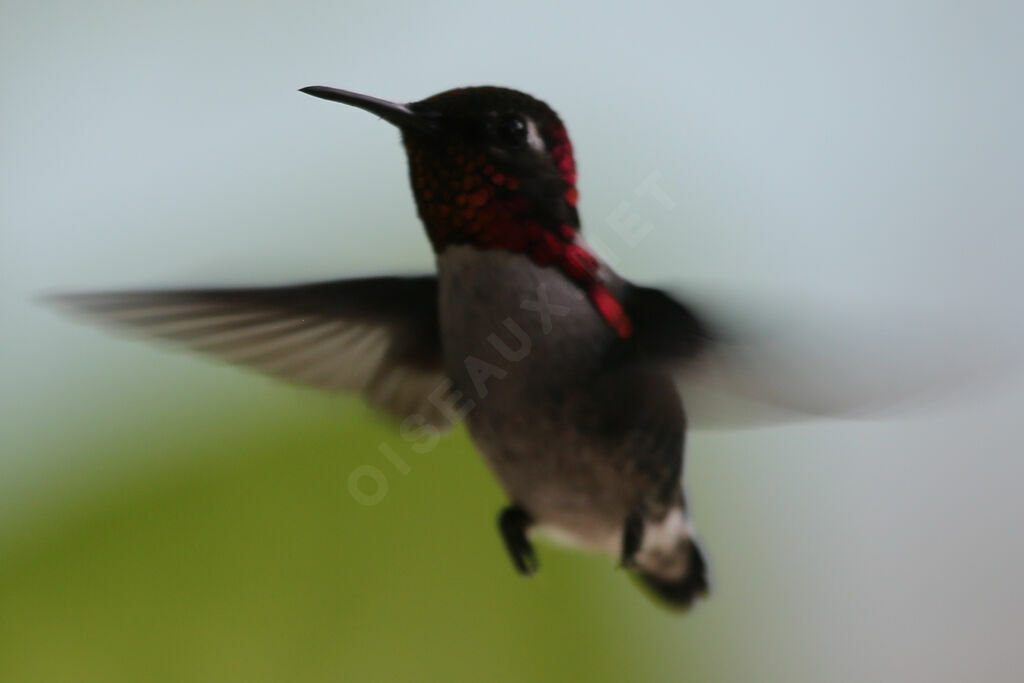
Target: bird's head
<point>489,166</point>
<point>493,167</point>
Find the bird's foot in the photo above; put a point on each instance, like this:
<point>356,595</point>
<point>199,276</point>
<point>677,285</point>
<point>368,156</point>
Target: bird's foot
<point>514,522</point>
<point>632,538</point>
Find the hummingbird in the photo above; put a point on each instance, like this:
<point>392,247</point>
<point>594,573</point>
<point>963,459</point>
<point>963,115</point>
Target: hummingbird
<point>563,371</point>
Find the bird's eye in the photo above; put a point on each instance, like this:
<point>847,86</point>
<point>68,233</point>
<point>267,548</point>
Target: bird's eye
<point>512,131</point>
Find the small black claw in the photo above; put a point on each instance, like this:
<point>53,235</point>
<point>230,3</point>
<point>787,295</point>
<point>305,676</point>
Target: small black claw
<point>632,538</point>
<point>513,522</point>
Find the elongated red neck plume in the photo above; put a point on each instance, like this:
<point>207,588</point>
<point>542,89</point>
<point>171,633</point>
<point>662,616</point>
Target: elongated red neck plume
<point>465,198</point>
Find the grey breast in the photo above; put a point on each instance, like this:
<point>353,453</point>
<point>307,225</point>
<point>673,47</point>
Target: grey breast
<point>527,348</point>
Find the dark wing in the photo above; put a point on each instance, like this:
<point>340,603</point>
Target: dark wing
<point>378,336</point>
<point>665,330</point>
<point>762,359</point>
<point>716,390</point>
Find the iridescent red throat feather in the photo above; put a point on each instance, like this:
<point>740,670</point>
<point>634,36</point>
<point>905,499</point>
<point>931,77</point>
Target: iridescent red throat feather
<point>463,198</point>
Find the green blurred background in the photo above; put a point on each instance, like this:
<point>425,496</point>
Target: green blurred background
<point>163,517</point>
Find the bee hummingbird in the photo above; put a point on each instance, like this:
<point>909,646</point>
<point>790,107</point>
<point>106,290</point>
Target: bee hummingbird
<point>563,371</point>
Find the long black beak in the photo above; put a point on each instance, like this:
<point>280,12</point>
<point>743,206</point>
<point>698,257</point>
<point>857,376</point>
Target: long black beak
<point>392,112</point>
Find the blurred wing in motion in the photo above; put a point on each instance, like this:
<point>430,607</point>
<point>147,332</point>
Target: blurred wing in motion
<point>377,335</point>
<point>760,360</point>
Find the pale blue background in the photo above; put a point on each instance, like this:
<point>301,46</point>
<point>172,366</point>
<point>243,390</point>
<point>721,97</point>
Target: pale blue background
<point>872,148</point>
